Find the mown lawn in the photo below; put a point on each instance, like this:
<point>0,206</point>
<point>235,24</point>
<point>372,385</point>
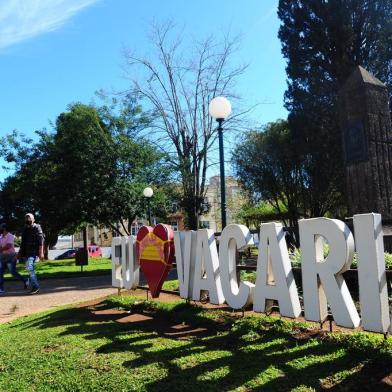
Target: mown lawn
<point>174,346</point>
<point>67,268</point>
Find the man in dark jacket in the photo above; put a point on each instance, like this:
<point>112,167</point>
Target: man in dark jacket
<point>32,246</point>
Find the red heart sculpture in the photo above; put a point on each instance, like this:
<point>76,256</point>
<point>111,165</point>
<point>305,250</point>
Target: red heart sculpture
<point>155,252</point>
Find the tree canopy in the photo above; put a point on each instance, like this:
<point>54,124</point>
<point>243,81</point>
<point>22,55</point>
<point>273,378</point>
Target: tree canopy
<point>323,41</point>
<point>268,167</point>
<point>85,171</point>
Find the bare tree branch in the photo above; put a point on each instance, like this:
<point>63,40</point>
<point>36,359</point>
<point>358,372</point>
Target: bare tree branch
<point>179,89</point>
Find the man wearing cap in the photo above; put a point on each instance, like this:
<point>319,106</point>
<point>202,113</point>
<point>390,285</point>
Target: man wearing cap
<point>32,246</point>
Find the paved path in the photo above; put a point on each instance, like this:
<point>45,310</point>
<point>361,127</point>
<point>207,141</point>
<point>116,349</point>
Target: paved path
<point>54,292</point>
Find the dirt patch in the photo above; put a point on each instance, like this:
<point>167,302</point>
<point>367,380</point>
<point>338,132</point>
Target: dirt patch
<point>139,318</point>
<point>304,334</point>
<point>316,328</point>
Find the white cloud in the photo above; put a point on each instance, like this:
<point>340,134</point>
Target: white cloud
<point>24,19</point>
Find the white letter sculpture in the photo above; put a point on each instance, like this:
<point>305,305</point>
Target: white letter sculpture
<point>233,237</point>
<point>125,268</point>
<point>117,255</point>
<point>185,249</point>
<point>206,275</point>
<point>373,291</point>
<point>322,279</point>
<point>275,280</point>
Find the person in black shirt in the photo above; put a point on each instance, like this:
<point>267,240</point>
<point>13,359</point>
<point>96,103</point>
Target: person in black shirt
<point>32,246</point>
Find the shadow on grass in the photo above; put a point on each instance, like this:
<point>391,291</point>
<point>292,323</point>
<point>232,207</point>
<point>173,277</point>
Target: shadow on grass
<point>221,353</point>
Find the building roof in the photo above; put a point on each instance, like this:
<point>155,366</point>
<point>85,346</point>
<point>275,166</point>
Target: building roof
<point>361,76</point>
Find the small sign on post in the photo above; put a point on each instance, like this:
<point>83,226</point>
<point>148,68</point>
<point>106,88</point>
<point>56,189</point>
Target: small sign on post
<point>81,258</point>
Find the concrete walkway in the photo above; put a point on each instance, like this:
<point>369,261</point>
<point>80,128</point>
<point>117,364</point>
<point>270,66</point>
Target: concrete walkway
<point>54,292</point>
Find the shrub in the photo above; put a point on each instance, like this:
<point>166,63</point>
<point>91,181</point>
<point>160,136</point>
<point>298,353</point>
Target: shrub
<point>295,257</point>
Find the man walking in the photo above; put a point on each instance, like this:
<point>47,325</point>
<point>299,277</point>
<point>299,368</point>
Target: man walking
<point>8,257</point>
<point>32,246</point>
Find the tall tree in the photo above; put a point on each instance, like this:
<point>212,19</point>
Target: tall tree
<point>268,167</point>
<point>107,168</point>
<point>139,163</point>
<point>85,158</point>
<point>179,88</point>
<point>29,188</point>
<point>323,41</point>
<point>83,172</point>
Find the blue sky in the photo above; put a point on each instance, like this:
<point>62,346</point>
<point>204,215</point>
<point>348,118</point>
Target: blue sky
<point>54,52</point>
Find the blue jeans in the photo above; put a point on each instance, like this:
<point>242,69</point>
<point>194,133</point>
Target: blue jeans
<point>30,267</point>
<point>8,260</point>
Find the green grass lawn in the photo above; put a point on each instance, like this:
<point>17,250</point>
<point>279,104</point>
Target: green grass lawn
<point>67,268</point>
<point>172,285</point>
<point>181,347</point>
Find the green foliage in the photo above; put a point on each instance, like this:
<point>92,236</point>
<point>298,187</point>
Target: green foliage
<point>91,169</point>
<point>262,212</point>
<point>295,256</point>
<point>140,163</point>
<point>68,269</point>
<point>26,190</point>
<point>171,285</point>
<point>266,165</point>
<point>323,41</point>
<point>388,260</point>
<point>123,116</point>
<point>63,176</point>
<point>86,164</point>
<point>249,276</point>
<point>15,150</point>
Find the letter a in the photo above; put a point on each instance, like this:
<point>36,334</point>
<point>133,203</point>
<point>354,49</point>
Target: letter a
<point>207,268</point>
<point>275,280</point>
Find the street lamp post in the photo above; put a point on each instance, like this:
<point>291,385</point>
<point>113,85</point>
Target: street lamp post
<point>220,109</point>
<point>148,192</point>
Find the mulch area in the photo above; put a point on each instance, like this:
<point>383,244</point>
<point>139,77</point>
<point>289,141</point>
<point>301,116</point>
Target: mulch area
<point>316,330</point>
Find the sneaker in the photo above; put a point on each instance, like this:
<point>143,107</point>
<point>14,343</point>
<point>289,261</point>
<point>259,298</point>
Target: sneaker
<point>2,292</point>
<point>34,290</point>
<point>26,284</point>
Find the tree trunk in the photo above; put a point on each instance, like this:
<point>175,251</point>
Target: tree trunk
<point>46,251</point>
<point>85,242</point>
<point>49,242</point>
<point>191,218</point>
<point>191,213</point>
